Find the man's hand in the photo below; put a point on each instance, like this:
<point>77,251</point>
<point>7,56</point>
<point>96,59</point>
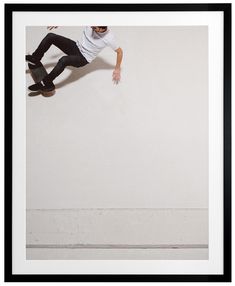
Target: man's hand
<point>52,27</point>
<point>117,70</point>
<point>116,75</point>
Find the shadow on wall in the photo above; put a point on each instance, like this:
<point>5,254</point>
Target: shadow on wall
<point>77,73</point>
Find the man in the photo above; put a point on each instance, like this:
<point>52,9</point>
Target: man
<point>93,40</point>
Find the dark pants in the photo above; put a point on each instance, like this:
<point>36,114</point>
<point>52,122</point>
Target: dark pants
<point>74,57</point>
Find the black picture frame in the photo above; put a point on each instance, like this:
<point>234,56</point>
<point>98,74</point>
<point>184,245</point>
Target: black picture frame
<point>226,276</point>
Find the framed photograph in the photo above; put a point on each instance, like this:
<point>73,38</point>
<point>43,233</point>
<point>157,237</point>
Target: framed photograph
<point>117,142</point>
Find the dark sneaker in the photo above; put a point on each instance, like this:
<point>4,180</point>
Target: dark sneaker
<point>34,66</point>
<point>48,86</point>
<point>31,59</point>
<point>36,87</point>
<point>42,87</point>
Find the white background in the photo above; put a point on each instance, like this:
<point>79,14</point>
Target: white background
<point>93,2</point>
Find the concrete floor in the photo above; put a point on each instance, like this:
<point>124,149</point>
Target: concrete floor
<point>116,254</point>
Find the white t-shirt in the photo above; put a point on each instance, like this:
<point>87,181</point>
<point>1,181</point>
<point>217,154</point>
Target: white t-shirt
<point>92,43</point>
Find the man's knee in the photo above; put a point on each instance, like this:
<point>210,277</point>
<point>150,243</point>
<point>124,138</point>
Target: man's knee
<point>51,35</point>
<point>64,61</point>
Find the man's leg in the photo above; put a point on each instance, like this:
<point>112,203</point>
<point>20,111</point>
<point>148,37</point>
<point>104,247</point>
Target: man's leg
<point>74,60</point>
<point>66,45</point>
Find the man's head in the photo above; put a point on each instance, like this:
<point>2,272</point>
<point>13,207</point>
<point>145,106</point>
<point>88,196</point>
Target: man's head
<point>99,29</point>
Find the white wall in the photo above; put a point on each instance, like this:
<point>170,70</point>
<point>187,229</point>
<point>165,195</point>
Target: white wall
<point>140,144</point>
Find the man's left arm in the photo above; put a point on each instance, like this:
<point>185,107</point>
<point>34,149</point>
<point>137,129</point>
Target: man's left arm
<point>117,70</point>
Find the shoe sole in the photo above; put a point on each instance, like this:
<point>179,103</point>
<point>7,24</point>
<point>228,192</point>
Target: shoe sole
<point>44,93</point>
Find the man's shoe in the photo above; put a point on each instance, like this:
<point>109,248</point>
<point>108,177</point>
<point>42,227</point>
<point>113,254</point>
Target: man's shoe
<point>47,89</point>
<point>36,87</point>
<point>31,59</point>
<point>34,66</point>
<point>42,87</point>
<point>47,86</point>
